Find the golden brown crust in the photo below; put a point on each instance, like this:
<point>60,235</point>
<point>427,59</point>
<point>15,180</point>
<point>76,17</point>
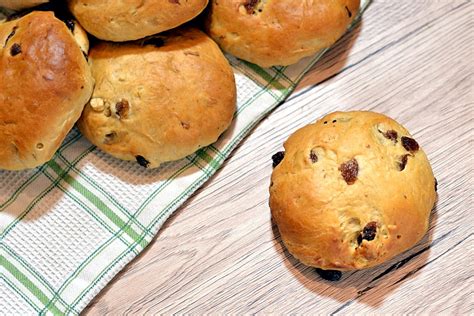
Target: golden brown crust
<point>321,206</point>
<point>21,4</point>
<point>120,21</point>
<point>44,85</point>
<point>269,32</point>
<point>162,101</point>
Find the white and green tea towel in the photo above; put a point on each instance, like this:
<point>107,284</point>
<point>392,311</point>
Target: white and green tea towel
<point>68,227</point>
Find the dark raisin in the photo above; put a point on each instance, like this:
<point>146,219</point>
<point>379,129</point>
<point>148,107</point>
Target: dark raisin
<point>436,185</point>
<point>142,161</point>
<point>15,49</point>
<point>10,35</point>
<point>349,13</point>
<point>250,6</point>
<point>368,233</point>
<point>70,24</point>
<point>330,275</point>
<point>277,158</point>
<point>410,144</point>
<point>155,41</point>
<point>349,171</point>
<point>392,135</point>
<point>121,108</point>
<point>110,137</point>
<point>334,121</point>
<point>313,156</point>
<point>403,162</point>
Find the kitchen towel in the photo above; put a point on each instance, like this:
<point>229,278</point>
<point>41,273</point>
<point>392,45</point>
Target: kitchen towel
<point>69,226</point>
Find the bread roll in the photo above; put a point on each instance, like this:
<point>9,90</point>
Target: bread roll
<point>351,191</point>
<point>45,82</point>
<point>120,21</point>
<point>20,4</point>
<point>270,33</point>
<point>159,99</point>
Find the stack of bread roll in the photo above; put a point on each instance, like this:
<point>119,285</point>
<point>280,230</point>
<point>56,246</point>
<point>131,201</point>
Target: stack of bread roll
<point>150,89</point>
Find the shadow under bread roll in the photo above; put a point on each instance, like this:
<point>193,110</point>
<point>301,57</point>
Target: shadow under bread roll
<point>45,81</point>
<point>159,99</point>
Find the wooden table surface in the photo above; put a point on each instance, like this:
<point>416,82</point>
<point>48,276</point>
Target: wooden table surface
<point>219,253</point>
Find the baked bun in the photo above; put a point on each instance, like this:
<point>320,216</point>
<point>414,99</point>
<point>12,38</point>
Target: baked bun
<point>159,99</point>
<point>45,82</point>
<point>270,33</point>
<point>120,21</point>
<point>353,190</point>
<point>80,36</point>
<point>60,11</point>
<point>20,4</point>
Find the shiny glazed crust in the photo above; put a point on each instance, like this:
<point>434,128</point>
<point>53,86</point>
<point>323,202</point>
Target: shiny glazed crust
<point>44,86</point>
<point>120,21</point>
<point>352,191</point>
<point>159,99</point>
<point>278,32</point>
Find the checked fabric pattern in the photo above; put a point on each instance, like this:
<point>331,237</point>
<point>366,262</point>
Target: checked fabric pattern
<point>68,227</point>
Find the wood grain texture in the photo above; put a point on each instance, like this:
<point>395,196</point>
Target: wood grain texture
<point>412,60</point>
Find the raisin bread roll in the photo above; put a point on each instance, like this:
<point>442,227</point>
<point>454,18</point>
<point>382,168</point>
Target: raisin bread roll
<point>121,21</point>
<point>79,35</point>
<point>45,82</point>
<point>159,99</point>
<point>20,4</point>
<point>351,191</point>
<point>270,33</point>
<point>60,11</point>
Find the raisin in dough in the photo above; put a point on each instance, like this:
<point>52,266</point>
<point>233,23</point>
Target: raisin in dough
<point>45,82</point>
<point>269,32</point>
<point>352,190</point>
<point>20,4</point>
<point>159,99</point>
<point>120,21</point>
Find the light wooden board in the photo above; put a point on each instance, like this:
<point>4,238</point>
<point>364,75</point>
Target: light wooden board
<point>219,253</point>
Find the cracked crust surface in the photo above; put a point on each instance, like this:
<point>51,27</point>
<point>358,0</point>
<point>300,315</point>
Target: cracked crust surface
<point>270,32</point>
<point>328,222</point>
<point>120,21</point>
<point>159,99</point>
<point>44,86</point>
